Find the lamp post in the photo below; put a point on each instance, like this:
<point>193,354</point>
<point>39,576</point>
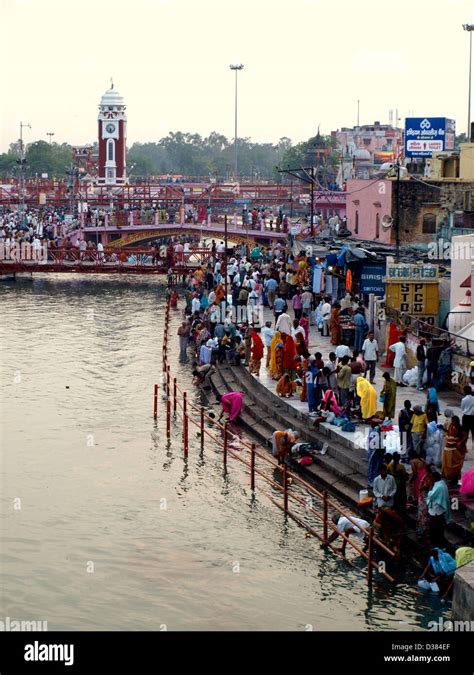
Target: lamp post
<point>22,164</point>
<point>236,67</point>
<point>469,27</point>
<point>50,134</point>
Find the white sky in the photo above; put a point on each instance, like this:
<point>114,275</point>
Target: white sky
<point>306,62</point>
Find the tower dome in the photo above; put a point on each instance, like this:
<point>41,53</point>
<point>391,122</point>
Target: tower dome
<point>362,155</point>
<point>112,98</point>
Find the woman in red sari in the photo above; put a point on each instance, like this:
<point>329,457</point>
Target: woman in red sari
<point>289,353</point>
<point>304,322</point>
<point>257,353</point>
<point>336,325</point>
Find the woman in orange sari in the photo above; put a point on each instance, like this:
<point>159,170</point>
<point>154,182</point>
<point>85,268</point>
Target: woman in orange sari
<point>220,293</point>
<point>285,387</point>
<point>454,451</point>
<point>336,325</point>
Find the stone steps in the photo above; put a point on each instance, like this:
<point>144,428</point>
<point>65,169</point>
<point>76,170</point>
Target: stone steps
<point>343,468</point>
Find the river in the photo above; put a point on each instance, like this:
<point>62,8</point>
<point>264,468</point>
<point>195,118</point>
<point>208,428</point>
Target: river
<point>104,526</point>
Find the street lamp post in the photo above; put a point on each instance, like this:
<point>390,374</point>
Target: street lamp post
<point>236,67</point>
<point>469,27</point>
<point>22,164</point>
<point>50,134</point>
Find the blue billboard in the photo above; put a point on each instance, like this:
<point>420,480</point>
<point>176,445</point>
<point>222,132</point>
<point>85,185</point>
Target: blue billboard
<point>426,135</point>
<point>372,278</point>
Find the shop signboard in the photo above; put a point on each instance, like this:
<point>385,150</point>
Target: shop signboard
<point>427,135</point>
<point>372,279</point>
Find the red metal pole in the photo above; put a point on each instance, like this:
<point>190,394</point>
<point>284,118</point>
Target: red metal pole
<point>252,467</point>
<point>285,487</point>
<point>175,393</point>
<point>225,445</point>
<point>155,402</point>
<point>369,555</point>
<point>325,515</point>
<point>168,378</point>
<point>168,419</point>
<point>185,423</point>
<point>202,428</point>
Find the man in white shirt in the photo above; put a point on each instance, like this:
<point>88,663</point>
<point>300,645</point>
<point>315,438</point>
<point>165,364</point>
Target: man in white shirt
<point>400,362</point>
<point>297,329</point>
<point>342,350</point>
<point>467,408</point>
<point>384,488</point>
<point>284,323</point>
<point>220,247</point>
<point>370,351</point>
<point>267,335</point>
<point>306,301</point>
<point>195,305</point>
<point>326,316</point>
<point>347,527</point>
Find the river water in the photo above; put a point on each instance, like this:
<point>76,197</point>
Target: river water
<point>104,526</point>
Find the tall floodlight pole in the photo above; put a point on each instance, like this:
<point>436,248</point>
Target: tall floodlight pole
<point>236,67</point>
<point>22,163</point>
<point>469,27</point>
<point>50,134</point>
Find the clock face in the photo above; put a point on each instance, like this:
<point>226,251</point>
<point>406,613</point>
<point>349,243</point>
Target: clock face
<point>110,128</point>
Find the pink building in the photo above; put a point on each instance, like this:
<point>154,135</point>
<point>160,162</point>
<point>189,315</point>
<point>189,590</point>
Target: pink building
<point>367,203</point>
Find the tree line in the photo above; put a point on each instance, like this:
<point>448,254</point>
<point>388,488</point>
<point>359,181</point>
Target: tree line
<point>177,154</point>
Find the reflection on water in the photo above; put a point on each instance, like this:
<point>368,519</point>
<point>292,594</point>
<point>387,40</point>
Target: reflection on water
<point>104,525</point>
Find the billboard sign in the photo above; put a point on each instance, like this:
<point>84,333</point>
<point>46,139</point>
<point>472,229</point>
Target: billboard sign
<point>372,279</point>
<point>426,135</point>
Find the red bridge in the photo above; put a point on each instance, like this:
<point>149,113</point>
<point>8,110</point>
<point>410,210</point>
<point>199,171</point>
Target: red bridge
<point>110,261</point>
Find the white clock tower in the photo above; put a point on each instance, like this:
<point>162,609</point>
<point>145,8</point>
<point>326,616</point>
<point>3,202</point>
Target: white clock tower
<point>112,138</point>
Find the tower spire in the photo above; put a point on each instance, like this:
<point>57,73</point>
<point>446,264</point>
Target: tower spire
<point>111,82</point>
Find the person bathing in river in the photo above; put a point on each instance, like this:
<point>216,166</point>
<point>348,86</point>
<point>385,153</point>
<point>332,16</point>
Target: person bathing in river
<point>347,527</point>
<point>231,403</point>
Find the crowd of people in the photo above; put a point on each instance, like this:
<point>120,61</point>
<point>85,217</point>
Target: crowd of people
<point>338,388</point>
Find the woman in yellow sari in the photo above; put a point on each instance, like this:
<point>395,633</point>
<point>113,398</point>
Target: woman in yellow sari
<point>368,398</point>
<point>273,364</point>
<point>302,274</point>
<point>199,276</point>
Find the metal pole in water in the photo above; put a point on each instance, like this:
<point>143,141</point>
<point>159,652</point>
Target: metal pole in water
<point>252,467</point>
<point>325,515</point>
<point>225,446</point>
<point>202,428</point>
<point>168,418</point>
<point>370,555</point>
<point>185,423</point>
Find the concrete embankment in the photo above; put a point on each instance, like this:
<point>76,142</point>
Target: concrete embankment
<point>463,595</point>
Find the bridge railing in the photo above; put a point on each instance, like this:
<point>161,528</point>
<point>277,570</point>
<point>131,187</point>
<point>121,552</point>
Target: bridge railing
<point>139,257</point>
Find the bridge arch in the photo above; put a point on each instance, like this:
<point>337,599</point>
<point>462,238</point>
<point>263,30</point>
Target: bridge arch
<point>137,238</point>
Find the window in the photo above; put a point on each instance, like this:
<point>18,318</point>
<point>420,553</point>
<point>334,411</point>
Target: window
<point>356,228</point>
<point>377,225</point>
<point>429,223</point>
<point>110,150</point>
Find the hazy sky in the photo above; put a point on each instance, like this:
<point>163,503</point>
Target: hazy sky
<point>306,63</point>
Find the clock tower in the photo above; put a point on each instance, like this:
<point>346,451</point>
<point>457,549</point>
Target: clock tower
<point>112,137</point>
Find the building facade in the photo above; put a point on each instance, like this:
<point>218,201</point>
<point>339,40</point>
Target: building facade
<point>368,202</point>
